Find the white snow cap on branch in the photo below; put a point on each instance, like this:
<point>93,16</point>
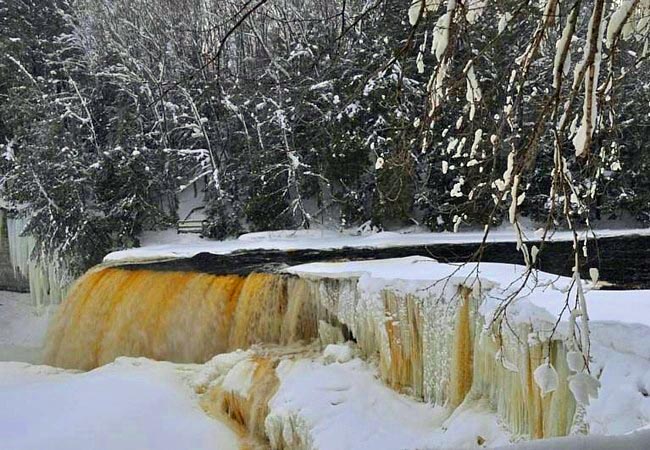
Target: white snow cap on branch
<point>414,11</point>
<point>582,139</point>
<point>474,9</point>
<point>546,378</point>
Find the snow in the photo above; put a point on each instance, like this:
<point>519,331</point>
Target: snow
<point>634,441</point>
<point>240,378</point>
<point>22,327</point>
<point>590,106</point>
<point>130,404</point>
<point>562,46</point>
<point>186,246</point>
<point>345,406</point>
<point>414,11</point>
<point>218,368</point>
<point>191,201</point>
<point>543,296</point>
<point>618,19</point>
<point>546,378</point>
<point>337,353</point>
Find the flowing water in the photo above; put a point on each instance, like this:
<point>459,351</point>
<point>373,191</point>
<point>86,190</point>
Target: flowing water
<point>174,316</point>
<point>431,344</point>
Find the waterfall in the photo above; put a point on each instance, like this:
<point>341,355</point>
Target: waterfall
<point>429,343</point>
<point>174,316</point>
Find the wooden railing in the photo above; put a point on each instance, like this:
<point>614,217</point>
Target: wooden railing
<point>190,226</point>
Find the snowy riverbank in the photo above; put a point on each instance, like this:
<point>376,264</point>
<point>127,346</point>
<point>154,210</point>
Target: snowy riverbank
<point>184,246</point>
<point>132,404</point>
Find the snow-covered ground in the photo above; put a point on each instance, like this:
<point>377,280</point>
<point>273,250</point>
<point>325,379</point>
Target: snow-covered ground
<point>22,328</point>
<point>132,404</point>
<point>344,405</point>
<point>184,245</point>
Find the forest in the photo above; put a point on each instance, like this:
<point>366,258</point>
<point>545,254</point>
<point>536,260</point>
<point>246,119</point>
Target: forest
<point>368,114</point>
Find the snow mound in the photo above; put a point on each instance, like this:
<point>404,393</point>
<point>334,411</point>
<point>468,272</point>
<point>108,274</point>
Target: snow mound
<point>337,353</point>
<point>22,328</point>
<point>130,404</point>
<point>345,406</point>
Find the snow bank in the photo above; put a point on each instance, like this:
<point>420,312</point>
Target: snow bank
<point>184,246</point>
<point>340,406</point>
<point>22,328</point>
<point>130,404</point>
<point>638,440</point>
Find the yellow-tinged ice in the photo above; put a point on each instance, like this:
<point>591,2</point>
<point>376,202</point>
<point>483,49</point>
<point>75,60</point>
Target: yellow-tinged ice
<point>461,380</point>
<point>514,393</point>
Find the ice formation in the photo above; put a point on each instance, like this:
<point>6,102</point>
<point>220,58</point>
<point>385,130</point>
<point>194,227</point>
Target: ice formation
<point>47,284</point>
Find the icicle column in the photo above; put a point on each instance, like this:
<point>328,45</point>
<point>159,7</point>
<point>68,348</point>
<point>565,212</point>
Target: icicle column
<point>46,283</point>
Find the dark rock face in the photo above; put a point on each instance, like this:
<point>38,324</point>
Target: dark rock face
<point>623,261</point>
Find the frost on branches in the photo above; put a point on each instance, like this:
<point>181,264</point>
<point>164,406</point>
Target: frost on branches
<point>539,109</point>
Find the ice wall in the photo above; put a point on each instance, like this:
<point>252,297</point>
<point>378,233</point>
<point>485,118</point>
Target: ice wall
<point>435,341</point>
<point>47,283</point>
<point>422,340</point>
<point>10,279</point>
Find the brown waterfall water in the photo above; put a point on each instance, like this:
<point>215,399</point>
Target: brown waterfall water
<point>174,316</point>
<point>245,413</point>
<point>433,347</point>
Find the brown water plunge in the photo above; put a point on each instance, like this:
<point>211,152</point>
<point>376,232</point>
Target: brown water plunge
<point>432,346</point>
<point>174,316</point>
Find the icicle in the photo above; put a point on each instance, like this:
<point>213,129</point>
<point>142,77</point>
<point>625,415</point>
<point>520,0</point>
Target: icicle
<point>47,283</point>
